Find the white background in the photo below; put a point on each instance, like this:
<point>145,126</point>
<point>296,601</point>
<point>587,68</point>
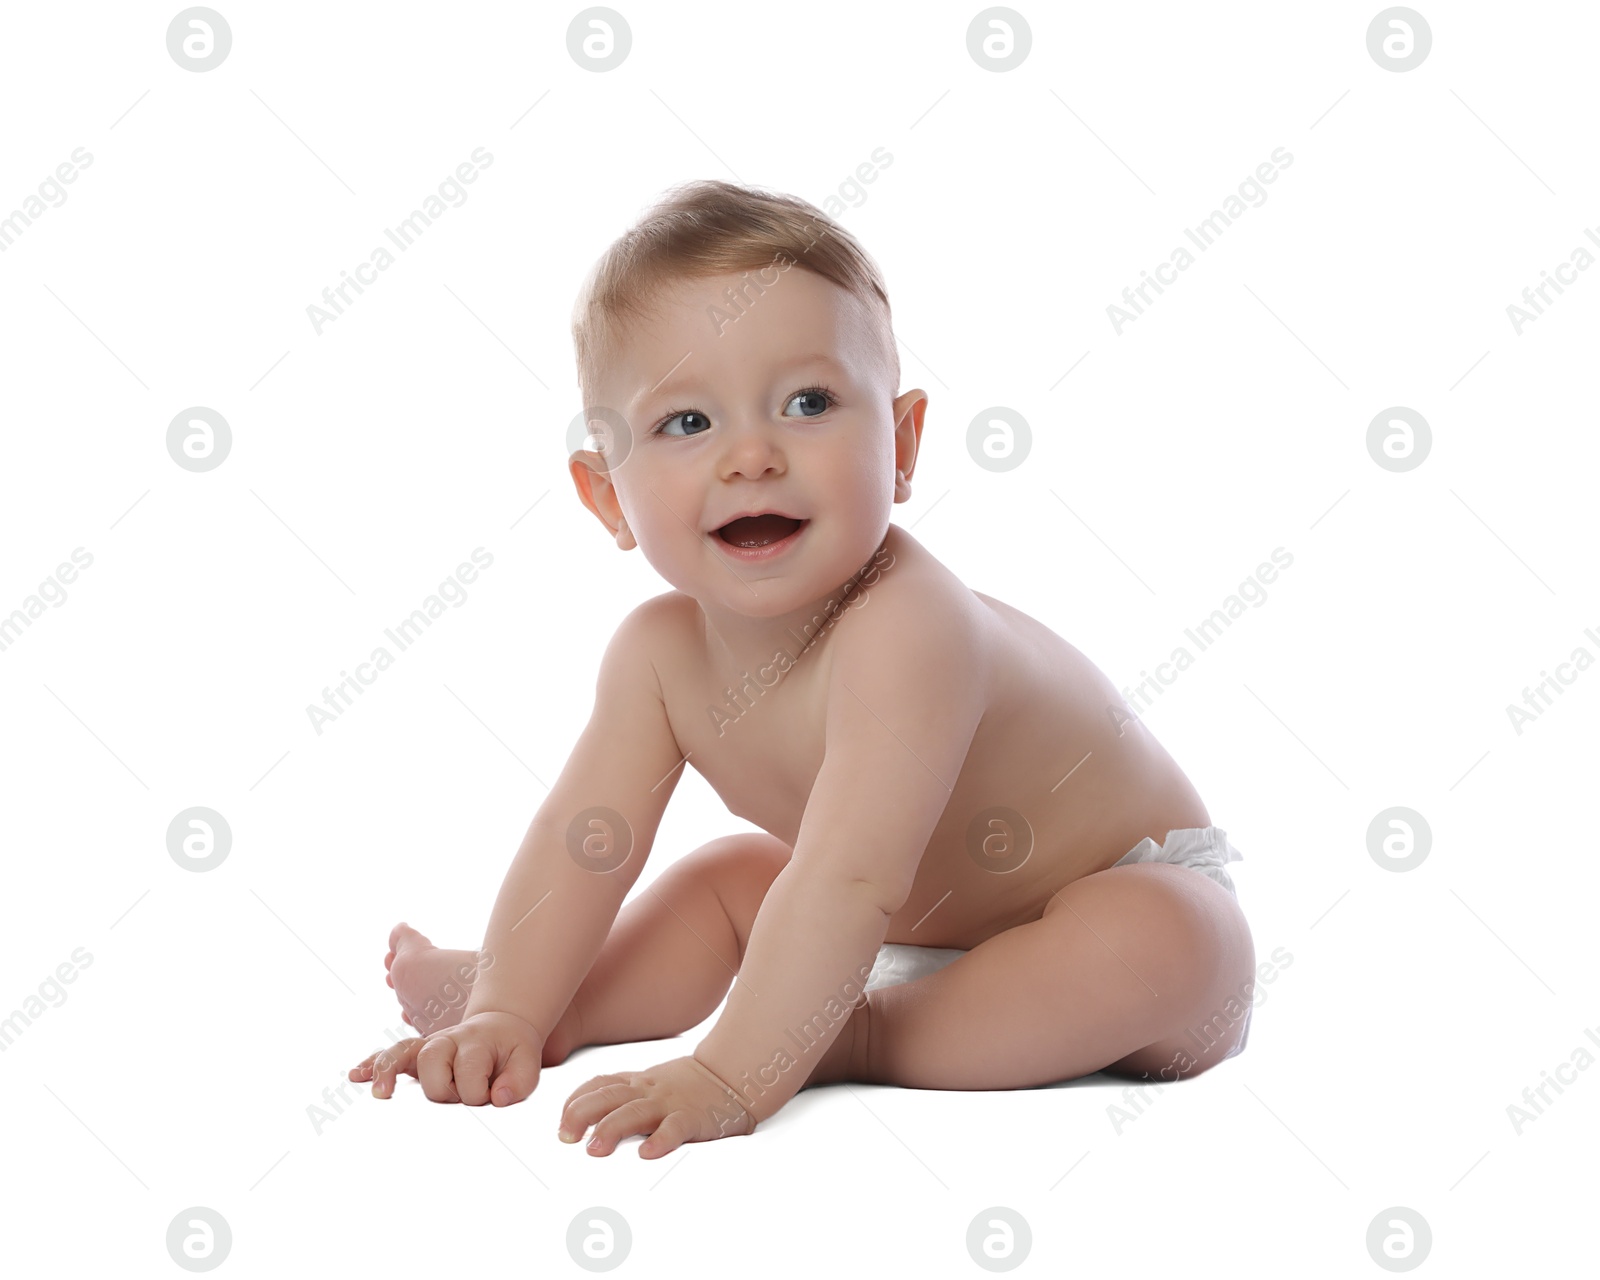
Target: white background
<point>367,462</point>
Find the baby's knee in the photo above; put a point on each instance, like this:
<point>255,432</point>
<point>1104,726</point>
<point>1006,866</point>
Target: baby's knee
<point>748,861</point>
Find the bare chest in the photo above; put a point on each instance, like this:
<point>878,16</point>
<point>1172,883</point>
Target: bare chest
<point>1049,791</point>
<point>755,736</point>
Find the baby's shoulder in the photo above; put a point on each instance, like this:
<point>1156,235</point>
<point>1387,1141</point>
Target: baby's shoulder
<point>662,622</point>
<point>917,587</point>
<point>910,605</point>
<point>660,631</point>
<point>668,608</point>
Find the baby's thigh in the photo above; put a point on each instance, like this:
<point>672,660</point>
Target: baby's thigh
<point>738,870</point>
<point>1195,946</point>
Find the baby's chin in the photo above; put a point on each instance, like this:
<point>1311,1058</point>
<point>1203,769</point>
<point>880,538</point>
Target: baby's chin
<point>763,597</point>
<point>757,590</point>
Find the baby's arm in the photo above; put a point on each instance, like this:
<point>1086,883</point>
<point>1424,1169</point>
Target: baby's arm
<point>569,877</point>
<point>582,853</point>
<point>903,705</point>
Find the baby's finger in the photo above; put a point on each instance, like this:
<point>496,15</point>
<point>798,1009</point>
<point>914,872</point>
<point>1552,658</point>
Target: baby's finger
<point>593,1083</point>
<point>366,1066</point>
<point>473,1066</point>
<point>436,1068</point>
<point>669,1135</point>
<point>584,1111</point>
<point>641,1115</point>
<point>518,1077</point>
<point>387,1063</point>
<point>363,1069</point>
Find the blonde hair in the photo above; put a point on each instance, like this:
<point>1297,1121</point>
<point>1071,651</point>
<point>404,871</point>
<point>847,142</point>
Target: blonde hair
<point>705,228</point>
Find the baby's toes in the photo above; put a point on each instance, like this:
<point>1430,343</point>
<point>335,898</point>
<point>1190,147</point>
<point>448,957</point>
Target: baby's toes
<point>401,938</point>
<point>403,935</point>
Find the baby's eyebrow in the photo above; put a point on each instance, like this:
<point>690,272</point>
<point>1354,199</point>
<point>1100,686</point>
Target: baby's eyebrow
<point>676,383</point>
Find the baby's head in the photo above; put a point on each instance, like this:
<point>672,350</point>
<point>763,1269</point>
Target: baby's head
<point>736,355</point>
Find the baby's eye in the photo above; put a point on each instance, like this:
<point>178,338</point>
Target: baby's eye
<point>686,415</point>
<point>819,398</point>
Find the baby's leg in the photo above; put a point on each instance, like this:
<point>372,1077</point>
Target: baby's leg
<point>431,983</point>
<point>1132,970</point>
<point>669,960</point>
<point>674,950</point>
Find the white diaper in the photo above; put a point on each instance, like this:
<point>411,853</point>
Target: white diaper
<point>899,962</point>
<point>1202,849</point>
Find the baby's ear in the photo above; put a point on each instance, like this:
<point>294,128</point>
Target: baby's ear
<point>909,408</point>
<point>595,491</point>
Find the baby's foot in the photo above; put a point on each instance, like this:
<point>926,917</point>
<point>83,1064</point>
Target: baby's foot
<point>429,980</point>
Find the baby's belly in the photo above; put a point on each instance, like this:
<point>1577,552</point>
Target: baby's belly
<point>994,871</point>
<point>960,899</point>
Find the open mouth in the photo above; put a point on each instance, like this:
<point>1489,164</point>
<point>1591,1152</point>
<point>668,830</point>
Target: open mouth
<point>750,532</point>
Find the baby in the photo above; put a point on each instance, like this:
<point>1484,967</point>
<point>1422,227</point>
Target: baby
<point>976,868</point>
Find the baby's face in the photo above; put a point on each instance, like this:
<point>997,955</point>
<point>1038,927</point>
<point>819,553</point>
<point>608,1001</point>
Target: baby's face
<point>785,408</point>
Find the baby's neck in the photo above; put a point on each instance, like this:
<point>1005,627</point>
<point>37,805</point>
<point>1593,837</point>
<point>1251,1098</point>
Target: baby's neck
<point>740,643</point>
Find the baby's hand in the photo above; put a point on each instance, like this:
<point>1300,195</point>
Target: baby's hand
<point>677,1102</point>
<point>461,1063</point>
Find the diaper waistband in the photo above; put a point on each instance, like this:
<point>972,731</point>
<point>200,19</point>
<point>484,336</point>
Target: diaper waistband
<point>1204,849</point>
